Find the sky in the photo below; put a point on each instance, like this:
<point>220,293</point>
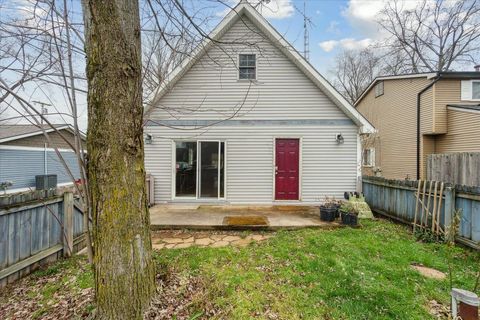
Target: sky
<point>335,25</point>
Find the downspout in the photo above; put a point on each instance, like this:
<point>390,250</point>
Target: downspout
<point>419,96</point>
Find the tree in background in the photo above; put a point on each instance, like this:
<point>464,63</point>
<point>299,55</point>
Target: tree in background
<point>435,36</point>
<point>354,70</point>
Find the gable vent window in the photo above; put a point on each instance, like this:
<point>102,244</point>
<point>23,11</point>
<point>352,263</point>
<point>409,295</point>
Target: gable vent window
<point>379,89</point>
<point>247,66</point>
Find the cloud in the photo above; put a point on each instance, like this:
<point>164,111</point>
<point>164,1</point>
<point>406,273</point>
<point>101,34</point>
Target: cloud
<point>329,45</point>
<point>346,43</point>
<point>362,15</point>
<point>275,9</point>
<point>333,27</point>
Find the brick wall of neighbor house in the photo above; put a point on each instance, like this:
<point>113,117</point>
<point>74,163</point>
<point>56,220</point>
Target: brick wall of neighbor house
<point>394,116</point>
<point>463,133</point>
<point>40,140</point>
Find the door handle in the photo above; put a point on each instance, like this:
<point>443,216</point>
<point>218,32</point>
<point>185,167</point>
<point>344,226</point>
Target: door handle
<point>276,170</point>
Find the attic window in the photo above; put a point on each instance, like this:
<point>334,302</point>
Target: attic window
<point>379,89</point>
<point>247,67</point>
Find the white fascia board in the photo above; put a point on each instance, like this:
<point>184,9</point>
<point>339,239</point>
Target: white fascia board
<point>187,63</point>
<point>277,39</point>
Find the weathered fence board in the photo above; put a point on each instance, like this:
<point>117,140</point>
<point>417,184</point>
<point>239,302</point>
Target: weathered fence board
<point>396,199</point>
<point>456,168</point>
<point>33,231</point>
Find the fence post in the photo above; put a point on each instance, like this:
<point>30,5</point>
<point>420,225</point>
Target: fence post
<point>67,224</point>
<point>449,206</point>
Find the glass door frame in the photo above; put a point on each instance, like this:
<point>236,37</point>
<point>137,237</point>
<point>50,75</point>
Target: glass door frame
<point>198,170</point>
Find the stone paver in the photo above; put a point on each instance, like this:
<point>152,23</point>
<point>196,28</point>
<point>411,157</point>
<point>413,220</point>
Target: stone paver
<point>183,239</point>
<point>204,241</point>
<point>231,238</point>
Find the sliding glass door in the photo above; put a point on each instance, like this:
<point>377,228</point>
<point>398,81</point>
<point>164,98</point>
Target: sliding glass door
<point>205,180</point>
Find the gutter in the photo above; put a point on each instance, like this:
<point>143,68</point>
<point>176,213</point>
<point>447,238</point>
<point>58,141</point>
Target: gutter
<point>419,96</point>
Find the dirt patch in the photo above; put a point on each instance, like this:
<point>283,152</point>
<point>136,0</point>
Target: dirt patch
<point>245,221</point>
<point>52,293</point>
<point>180,298</point>
<point>438,310</point>
<point>429,272</point>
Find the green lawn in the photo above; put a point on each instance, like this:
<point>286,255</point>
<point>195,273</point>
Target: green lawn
<point>316,274</point>
<point>344,273</point>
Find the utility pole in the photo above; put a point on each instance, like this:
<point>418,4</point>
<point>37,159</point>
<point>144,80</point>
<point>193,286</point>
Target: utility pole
<point>43,110</point>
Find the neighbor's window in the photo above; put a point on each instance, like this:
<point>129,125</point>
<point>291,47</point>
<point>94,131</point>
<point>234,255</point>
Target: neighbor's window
<point>476,90</point>
<point>379,89</point>
<point>247,66</point>
<point>369,157</point>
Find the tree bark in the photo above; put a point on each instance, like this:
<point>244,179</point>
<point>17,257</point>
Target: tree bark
<point>124,270</point>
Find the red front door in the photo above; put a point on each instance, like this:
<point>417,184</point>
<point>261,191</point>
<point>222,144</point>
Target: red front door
<point>286,169</point>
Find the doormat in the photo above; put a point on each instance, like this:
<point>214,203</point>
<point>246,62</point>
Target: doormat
<point>245,221</point>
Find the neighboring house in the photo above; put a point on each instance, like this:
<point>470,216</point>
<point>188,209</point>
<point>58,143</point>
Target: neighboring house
<point>25,153</point>
<point>246,119</point>
<point>449,108</point>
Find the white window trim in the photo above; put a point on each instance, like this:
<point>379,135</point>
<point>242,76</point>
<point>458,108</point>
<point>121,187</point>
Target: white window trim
<point>372,157</point>
<point>238,68</point>
<point>471,84</point>
<point>197,174</point>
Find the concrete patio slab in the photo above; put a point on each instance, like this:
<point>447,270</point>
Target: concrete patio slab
<point>208,217</point>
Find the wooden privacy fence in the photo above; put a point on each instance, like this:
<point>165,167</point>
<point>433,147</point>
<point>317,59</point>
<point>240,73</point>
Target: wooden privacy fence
<point>397,199</point>
<point>456,168</point>
<point>37,227</point>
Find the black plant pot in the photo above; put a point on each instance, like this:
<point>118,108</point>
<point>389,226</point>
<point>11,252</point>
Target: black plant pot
<point>349,219</point>
<point>327,213</point>
<point>337,211</point>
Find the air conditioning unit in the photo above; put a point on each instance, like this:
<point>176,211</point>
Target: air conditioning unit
<point>46,181</point>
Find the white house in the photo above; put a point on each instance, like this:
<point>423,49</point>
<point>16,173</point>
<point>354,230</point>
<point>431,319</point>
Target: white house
<point>246,119</point>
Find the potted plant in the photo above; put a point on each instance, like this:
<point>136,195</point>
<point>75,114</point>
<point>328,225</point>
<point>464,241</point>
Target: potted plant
<point>328,210</point>
<point>349,214</point>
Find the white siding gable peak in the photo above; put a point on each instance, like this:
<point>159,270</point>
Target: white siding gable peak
<point>244,8</point>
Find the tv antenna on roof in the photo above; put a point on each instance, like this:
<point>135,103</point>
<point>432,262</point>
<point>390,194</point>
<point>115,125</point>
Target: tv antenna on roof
<point>307,22</point>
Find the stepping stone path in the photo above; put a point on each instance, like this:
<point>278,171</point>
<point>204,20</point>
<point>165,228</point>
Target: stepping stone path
<point>215,239</point>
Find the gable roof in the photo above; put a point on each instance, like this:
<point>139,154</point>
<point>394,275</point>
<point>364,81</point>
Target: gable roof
<point>244,8</point>
<point>428,75</point>
<point>20,131</point>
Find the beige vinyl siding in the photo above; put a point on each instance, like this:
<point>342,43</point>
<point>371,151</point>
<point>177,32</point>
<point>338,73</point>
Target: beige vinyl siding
<point>327,169</point>
<point>447,91</point>
<point>463,133</point>
<point>211,89</point>
<point>427,147</point>
<point>426,110</point>
<point>40,140</point>
<point>394,116</point>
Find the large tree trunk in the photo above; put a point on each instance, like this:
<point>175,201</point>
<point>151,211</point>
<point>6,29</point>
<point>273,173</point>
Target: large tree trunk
<point>124,270</point>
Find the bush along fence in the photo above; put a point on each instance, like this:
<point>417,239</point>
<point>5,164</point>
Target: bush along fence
<point>37,227</point>
<point>397,199</point>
